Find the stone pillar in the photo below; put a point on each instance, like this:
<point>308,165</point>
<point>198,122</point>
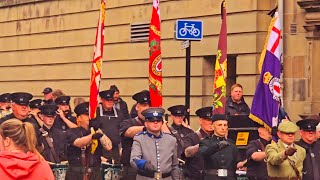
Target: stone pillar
<point>312,26</point>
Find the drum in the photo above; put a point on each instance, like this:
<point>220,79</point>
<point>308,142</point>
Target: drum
<point>59,171</point>
<point>111,171</point>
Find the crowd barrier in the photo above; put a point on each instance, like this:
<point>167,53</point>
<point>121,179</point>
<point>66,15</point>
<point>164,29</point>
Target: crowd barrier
<point>108,171</point>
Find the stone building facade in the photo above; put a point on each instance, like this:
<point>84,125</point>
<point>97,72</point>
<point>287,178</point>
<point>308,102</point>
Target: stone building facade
<point>50,43</point>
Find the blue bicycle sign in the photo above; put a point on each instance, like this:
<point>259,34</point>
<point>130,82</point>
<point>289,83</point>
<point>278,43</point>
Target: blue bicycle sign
<point>189,30</point>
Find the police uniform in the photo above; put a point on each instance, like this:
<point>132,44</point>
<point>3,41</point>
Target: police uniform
<point>179,131</point>
<point>47,90</point>
<point>23,99</point>
<point>76,169</point>
<point>311,164</point>
<point>52,138</point>
<point>142,97</point>
<point>155,157</point>
<point>220,162</point>
<point>5,98</point>
<point>120,104</point>
<point>256,170</point>
<point>58,122</point>
<point>35,104</point>
<point>277,165</point>
<point>194,166</point>
<point>109,123</point>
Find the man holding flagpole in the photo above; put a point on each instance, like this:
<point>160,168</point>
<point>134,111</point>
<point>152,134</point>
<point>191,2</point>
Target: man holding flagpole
<point>219,153</point>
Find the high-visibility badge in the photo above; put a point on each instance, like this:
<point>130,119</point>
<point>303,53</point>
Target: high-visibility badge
<point>242,138</point>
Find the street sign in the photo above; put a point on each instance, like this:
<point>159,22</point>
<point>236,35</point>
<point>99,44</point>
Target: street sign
<point>189,30</point>
<point>185,44</point>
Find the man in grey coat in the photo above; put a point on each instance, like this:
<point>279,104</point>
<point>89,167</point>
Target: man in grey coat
<point>154,153</point>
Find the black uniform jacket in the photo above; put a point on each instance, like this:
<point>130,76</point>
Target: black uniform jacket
<point>127,142</point>
<point>256,169</point>
<point>58,140</point>
<point>215,158</point>
<point>61,125</point>
<point>194,166</point>
<point>74,153</point>
<point>308,168</point>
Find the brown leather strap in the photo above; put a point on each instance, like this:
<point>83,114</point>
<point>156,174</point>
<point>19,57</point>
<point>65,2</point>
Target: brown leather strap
<point>176,135</point>
<point>291,162</point>
<point>199,135</point>
<point>45,134</point>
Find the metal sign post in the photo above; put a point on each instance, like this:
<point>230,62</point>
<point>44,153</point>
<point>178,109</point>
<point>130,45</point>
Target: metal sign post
<point>188,30</point>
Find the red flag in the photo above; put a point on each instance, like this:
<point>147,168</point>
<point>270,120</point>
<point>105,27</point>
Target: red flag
<point>155,60</point>
<point>97,63</point>
<point>220,74</point>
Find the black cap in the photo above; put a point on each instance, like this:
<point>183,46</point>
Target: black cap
<point>5,98</point>
<point>142,97</point>
<point>153,114</point>
<point>107,94</point>
<point>308,124</point>
<point>178,110</point>
<point>82,108</point>
<point>47,90</point>
<point>115,88</point>
<point>35,103</point>
<point>205,112</point>
<point>217,117</point>
<point>21,98</point>
<point>49,110</point>
<point>63,100</point>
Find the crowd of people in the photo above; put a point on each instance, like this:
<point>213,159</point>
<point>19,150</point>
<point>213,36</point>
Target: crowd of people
<point>36,133</point>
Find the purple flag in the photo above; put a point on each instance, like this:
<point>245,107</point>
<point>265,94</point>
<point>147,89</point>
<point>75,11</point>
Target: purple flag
<point>265,105</point>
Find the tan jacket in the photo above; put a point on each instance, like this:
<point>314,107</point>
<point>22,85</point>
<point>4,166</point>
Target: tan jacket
<point>277,166</point>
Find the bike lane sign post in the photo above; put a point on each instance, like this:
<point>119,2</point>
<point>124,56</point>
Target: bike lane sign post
<point>188,30</point>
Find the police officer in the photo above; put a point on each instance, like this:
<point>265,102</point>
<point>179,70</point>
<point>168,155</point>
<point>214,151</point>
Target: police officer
<point>129,128</point>
<point>109,119</point>
<point>83,156</point>
<point>256,155</point>
<point>311,164</point>
<point>221,155</point>
<point>52,138</point>
<point>5,108</point>
<point>194,166</point>
<point>119,103</point>
<point>64,120</point>
<point>20,108</point>
<point>154,153</point>
<point>47,96</point>
<point>284,158</point>
<point>178,127</point>
<point>34,111</point>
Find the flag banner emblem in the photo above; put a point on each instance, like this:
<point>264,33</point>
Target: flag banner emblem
<point>266,101</point>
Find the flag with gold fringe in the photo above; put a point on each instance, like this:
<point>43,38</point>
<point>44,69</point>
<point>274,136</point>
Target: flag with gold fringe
<point>155,60</point>
<point>265,105</point>
<point>220,70</point>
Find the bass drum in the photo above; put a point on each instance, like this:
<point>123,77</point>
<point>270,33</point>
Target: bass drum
<point>59,171</point>
<point>111,171</point>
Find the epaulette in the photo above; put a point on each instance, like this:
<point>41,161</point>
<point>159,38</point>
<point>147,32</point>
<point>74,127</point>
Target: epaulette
<point>142,132</point>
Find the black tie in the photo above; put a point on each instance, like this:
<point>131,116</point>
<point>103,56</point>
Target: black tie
<point>315,168</point>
